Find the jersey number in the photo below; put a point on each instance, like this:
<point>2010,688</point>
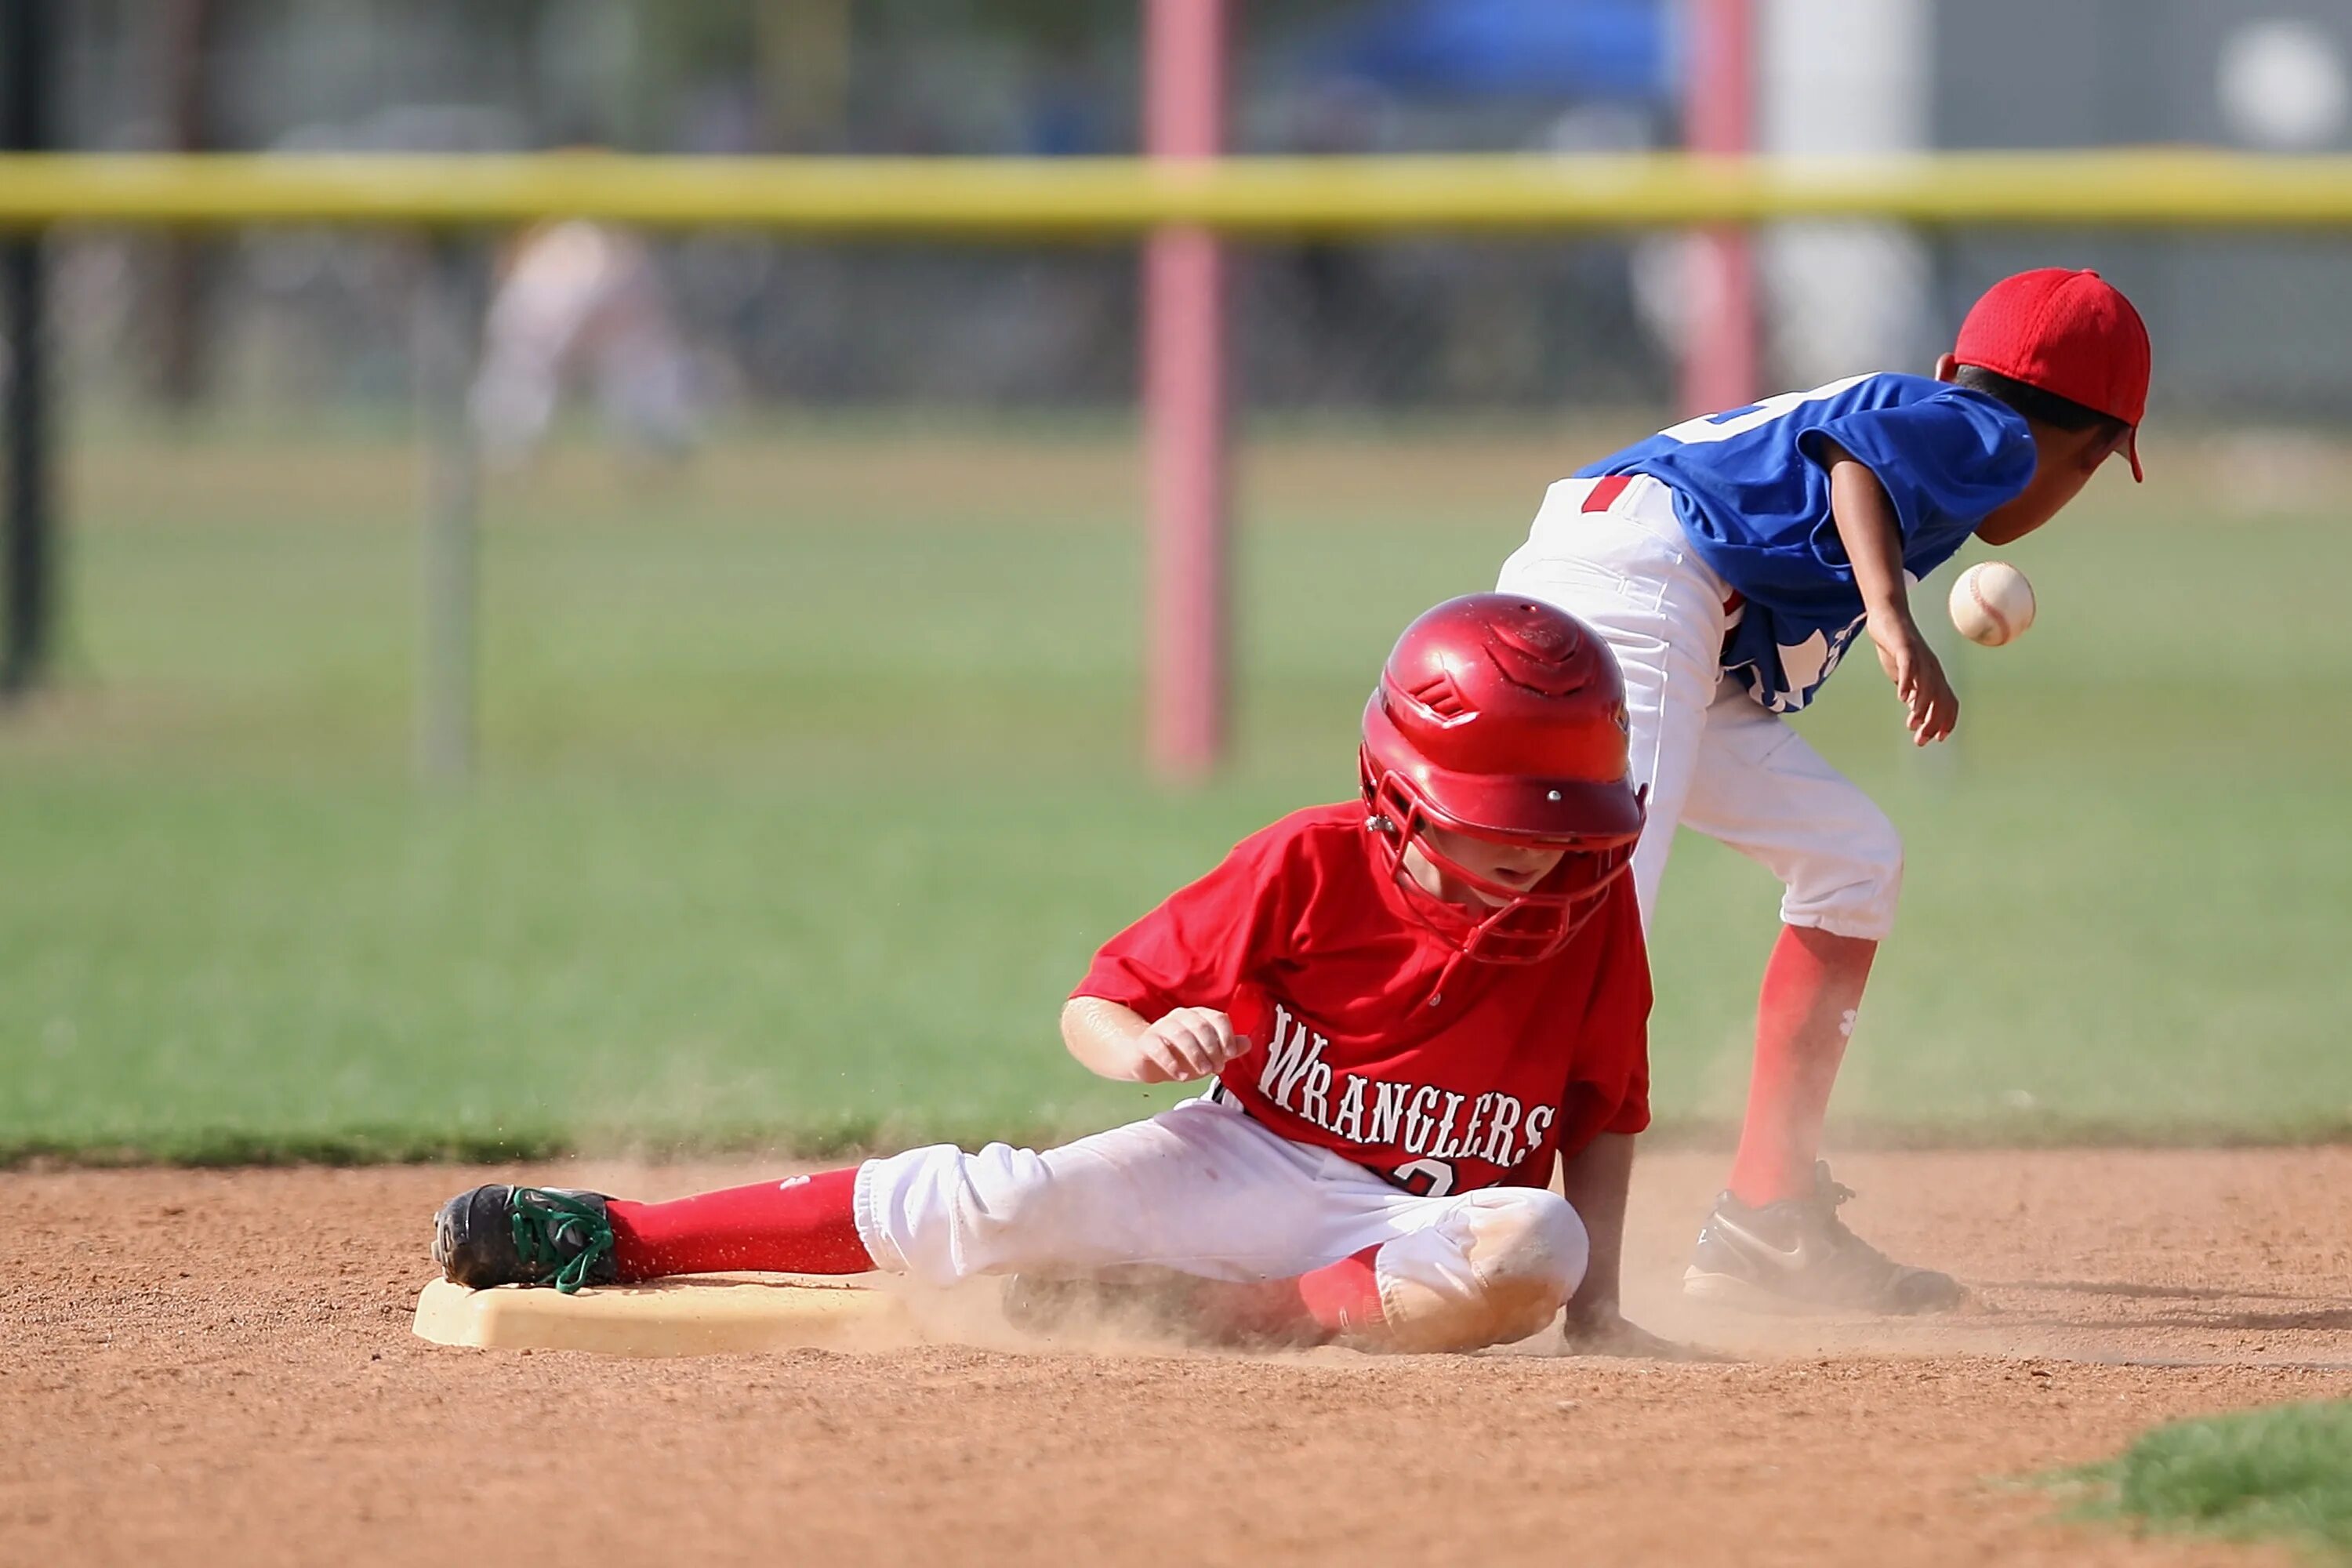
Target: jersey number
<point>1740,421</point>
<point>1439,1174</point>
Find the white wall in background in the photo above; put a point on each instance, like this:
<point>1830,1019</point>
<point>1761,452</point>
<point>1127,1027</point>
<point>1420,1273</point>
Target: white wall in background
<point>1844,78</point>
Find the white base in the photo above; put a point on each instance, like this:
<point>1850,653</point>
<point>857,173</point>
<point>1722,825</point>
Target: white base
<point>713,1314</point>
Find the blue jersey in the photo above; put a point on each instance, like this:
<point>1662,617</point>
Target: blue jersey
<point>1754,499</point>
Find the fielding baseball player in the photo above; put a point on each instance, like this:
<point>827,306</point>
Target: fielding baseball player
<point>1412,1007</point>
<point>1730,560</point>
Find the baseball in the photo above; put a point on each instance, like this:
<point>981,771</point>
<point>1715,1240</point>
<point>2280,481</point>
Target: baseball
<point>1992,603</point>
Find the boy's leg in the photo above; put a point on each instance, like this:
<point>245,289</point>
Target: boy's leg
<point>1198,1187</point>
<point>802,1224</point>
<point>1277,1239</point>
<point>1452,1274</point>
<point>1804,1016</point>
<point>1273,1238</point>
<point>1612,554</point>
<point>1761,788</point>
<point>1483,1269</point>
<point>567,1237</point>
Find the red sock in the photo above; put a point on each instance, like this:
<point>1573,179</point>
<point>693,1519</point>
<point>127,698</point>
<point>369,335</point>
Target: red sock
<point>803,1226</point>
<point>1337,1299</point>
<point>1344,1295</point>
<point>1803,1016</point>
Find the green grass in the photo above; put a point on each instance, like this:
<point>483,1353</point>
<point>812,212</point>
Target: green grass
<point>2284,1473</point>
<point>810,783</point>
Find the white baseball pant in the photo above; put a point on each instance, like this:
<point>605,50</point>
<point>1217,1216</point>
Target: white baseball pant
<point>1205,1189</point>
<point>1712,759</point>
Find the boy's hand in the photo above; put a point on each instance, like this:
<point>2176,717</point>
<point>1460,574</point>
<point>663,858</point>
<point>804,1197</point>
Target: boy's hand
<point>1187,1043</point>
<point>1872,537</point>
<point>1931,706</point>
<point>1605,1332</point>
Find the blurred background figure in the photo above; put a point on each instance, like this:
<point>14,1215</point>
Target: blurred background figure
<point>581,302</point>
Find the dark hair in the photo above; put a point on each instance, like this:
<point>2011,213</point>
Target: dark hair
<point>2042,408</point>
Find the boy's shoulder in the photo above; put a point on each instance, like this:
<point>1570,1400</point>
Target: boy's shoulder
<point>1304,848</point>
<point>1874,391</point>
<point>1909,415</point>
<point>1853,393</point>
<point>1884,386</point>
<point>1917,424</point>
<point>1895,388</point>
<point>1313,831</point>
<point>1294,858</point>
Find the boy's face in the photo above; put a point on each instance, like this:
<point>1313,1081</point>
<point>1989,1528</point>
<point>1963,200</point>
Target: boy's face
<point>2064,462</point>
<point>1519,867</point>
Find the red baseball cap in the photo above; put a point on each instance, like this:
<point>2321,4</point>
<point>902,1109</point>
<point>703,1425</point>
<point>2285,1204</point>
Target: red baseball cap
<point>2071,333</point>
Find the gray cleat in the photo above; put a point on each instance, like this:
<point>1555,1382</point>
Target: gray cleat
<point>1797,1255</point>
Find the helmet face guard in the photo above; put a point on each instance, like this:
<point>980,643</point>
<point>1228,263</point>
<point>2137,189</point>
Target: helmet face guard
<point>1526,925</point>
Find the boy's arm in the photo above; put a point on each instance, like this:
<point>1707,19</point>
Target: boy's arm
<point>1115,1041</point>
<point>1595,1182</point>
<point>1867,525</point>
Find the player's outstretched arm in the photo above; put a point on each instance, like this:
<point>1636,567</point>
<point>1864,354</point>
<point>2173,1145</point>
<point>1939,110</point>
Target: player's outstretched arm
<point>1114,1041</point>
<point>1595,1182</point>
<point>1867,525</point>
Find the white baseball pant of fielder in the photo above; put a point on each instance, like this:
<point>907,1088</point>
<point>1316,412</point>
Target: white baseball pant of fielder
<point>1712,759</point>
<point>1203,1189</point>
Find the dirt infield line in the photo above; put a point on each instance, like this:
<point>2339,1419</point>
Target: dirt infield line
<point>216,1365</point>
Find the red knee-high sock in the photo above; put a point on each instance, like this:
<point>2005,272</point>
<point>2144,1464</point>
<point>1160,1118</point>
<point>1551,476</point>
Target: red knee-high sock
<point>1337,1299</point>
<point>1803,1016</point>
<point>807,1224</point>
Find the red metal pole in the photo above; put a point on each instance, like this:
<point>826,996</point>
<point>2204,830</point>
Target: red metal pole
<point>1184,411</point>
<point>1719,357</point>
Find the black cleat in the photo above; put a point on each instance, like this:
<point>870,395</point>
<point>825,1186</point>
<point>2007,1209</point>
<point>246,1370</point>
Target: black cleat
<point>1797,1255</point>
<point>525,1236</point>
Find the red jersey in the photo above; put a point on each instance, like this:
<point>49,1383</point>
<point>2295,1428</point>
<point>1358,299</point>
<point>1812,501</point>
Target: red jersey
<point>1371,1035</point>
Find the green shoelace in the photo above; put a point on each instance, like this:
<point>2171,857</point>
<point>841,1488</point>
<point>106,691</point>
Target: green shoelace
<point>540,1219</point>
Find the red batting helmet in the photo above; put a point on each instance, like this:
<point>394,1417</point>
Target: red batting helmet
<point>1504,718</point>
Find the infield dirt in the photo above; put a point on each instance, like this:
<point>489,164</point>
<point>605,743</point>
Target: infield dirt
<point>216,1366</point>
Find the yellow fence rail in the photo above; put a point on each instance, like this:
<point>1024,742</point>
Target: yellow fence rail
<point>980,198</point>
